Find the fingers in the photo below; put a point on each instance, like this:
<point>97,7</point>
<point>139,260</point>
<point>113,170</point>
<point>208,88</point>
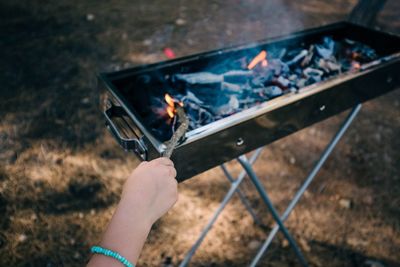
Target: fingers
<point>172,172</point>
<point>164,166</point>
<point>143,163</point>
<point>164,161</point>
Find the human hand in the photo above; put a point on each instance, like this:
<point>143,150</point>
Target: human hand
<point>150,191</point>
<point>152,188</point>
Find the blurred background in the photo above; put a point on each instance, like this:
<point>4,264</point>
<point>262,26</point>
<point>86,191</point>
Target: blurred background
<point>61,172</point>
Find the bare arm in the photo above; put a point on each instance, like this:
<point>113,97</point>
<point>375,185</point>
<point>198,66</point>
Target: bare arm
<point>149,193</point>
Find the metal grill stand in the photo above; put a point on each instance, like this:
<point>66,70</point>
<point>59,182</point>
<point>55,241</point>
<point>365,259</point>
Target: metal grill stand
<point>247,169</point>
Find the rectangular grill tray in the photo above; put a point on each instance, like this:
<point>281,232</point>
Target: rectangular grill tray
<point>225,139</point>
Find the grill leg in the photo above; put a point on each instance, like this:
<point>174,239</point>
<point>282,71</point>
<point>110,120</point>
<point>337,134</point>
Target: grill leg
<point>242,197</point>
<point>258,185</point>
<point>307,182</point>
<point>234,187</point>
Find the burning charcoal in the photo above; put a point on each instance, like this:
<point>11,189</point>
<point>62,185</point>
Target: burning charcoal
<point>232,88</point>
<point>346,64</point>
<point>282,82</point>
<point>326,49</point>
<point>278,66</point>
<point>199,78</point>
<point>234,102</point>
<point>360,52</point>
<point>282,53</point>
<point>307,59</point>
<point>312,75</point>
<point>260,58</point>
<point>260,78</point>
<point>272,91</point>
<point>258,81</point>
<point>227,86</point>
<point>329,66</point>
<point>365,53</point>
<point>197,115</point>
<point>205,116</point>
<point>191,97</point>
<point>262,70</point>
<point>204,86</point>
<point>301,83</point>
<point>298,57</point>
<point>237,76</point>
<point>313,79</point>
<point>310,72</point>
<point>228,108</point>
<point>322,64</point>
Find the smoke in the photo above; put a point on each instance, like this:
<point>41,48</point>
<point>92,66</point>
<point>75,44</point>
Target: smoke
<point>232,22</point>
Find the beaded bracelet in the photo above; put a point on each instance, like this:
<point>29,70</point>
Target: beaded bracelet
<point>112,254</point>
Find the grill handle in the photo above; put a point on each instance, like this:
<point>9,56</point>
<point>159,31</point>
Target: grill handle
<point>135,143</point>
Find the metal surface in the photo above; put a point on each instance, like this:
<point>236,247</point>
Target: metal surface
<point>307,182</point>
<point>241,195</point>
<point>234,187</point>
<point>218,142</point>
<point>247,165</point>
<point>132,143</point>
<point>264,196</point>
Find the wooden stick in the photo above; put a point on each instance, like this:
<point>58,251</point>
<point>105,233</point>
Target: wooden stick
<point>179,133</point>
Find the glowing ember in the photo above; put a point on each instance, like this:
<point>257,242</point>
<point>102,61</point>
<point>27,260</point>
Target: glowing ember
<point>171,105</point>
<point>170,101</point>
<point>170,111</point>
<point>264,63</point>
<point>356,65</point>
<point>261,57</point>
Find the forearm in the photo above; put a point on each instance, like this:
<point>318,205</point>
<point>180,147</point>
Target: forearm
<point>149,192</point>
<point>126,234</point>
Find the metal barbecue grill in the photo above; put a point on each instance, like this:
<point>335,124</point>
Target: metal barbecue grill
<point>219,141</point>
<point>281,105</point>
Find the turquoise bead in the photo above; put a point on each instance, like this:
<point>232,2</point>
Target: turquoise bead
<point>112,254</point>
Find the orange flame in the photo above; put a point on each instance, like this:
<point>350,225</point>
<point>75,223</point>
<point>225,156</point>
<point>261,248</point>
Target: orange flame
<point>170,111</point>
<point>171,105</point>
<point>170,101</point>
<point>356,65</point>
<point>261,57</point>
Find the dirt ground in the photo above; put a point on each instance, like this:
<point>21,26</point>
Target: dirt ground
<point>61,172</point>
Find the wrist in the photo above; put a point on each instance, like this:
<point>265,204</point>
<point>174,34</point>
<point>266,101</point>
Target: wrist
<point>133,210</point>
<point>127,231</point>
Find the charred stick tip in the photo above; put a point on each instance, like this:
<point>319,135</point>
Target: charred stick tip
<point>179,133</point>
